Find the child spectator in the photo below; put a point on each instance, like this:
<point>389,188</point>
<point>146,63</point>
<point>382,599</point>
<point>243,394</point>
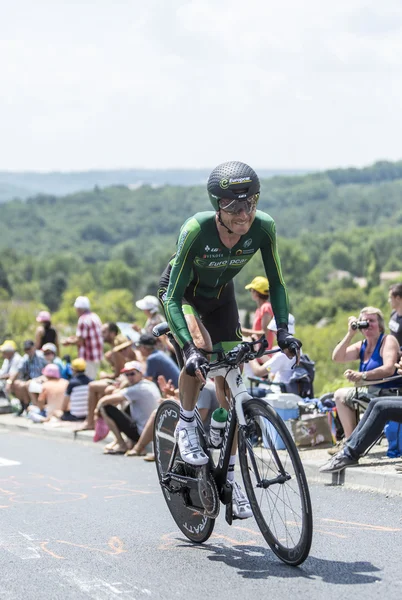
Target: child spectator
<point>75,404</point>
<point>10,366</point>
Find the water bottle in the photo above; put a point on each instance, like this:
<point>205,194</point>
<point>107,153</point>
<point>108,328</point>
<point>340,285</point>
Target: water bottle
<point>217,427</point>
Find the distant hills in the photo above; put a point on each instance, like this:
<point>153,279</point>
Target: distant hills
<point>27,184</point>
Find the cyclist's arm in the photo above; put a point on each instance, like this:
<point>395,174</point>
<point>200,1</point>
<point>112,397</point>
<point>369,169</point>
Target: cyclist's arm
<point>272,264</point>
<point>180,277</point>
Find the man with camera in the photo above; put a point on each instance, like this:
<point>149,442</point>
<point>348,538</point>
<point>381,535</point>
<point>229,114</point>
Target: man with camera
<point>377,354</point>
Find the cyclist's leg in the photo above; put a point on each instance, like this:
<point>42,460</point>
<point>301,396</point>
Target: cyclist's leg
<point>224,325</point>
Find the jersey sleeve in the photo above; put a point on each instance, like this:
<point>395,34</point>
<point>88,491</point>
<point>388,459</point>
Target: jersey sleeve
<point>272,265</point>
<point>180,277</point>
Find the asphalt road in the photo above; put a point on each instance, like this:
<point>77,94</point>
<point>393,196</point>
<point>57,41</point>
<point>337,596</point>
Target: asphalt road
<point>77,524</point>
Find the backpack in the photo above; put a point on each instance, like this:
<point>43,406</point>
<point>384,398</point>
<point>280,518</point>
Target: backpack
<point>393,433</point>
<point>301,381</point>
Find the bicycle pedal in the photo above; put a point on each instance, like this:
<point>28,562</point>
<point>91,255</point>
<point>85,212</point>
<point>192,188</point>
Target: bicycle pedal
<point>226,493</point>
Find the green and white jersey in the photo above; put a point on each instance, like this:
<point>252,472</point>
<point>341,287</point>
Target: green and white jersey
<point>205,266</point>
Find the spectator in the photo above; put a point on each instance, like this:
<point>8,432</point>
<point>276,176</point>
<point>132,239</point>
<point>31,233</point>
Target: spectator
<point>88,336</point>
<point>395,300</point>
<point>75,403</point>
<point>113,337</point>
<point>51,397</point>
<point>158,363</point>
<point>278,367</point>
<point>207,402</point>
<point>45,333</point>
<point>143,396</point>
<point>10,366</point>
<point>259,289</point>
<point>108,384</point>
<point>150,305</point>
<point>377,353</point>
<point>50,353</point>
<point>31,367</point>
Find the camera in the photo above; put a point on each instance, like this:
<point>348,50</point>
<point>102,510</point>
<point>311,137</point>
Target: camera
<point>360,325</point>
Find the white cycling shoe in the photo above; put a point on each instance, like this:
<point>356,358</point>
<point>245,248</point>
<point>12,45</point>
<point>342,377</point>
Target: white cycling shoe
<point>190,447</point>
<point>240,503</point>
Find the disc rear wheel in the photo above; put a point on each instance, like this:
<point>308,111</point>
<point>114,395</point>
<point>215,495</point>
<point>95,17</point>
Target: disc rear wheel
<point>195,526</point>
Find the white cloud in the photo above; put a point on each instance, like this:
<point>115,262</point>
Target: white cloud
<point>179,83</point>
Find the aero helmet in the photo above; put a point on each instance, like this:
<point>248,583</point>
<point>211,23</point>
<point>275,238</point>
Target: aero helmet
<point>232,180</point>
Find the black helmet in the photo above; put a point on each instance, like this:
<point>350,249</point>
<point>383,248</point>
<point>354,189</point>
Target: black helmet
<point>232,180</point>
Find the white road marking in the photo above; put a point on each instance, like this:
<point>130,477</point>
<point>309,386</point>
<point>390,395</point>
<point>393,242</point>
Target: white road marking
<point>4,462</point>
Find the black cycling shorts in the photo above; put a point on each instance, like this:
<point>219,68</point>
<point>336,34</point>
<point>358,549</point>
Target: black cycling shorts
<point>220,316</point>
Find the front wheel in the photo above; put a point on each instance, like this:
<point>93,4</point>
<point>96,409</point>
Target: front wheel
<point>195,526</point>
<point>275,482</point>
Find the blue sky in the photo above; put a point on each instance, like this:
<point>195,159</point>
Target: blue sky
<point>174,83</point>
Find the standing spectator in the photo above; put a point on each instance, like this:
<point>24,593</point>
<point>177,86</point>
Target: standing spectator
<point>31,367</point>
<point>143,396</point>
<point>158,363</point>
<point>10,366</point>
<point>395,300</point>
<point>259,288</point>
<point>88,336</point>
<point>75,404</point>
<point>150,305</point>
<point>45,333</point>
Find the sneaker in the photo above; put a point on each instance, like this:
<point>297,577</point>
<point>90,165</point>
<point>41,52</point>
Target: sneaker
<point>337,448</point>
<point>190,447</point>
<point>241,505</point>
<point>339,462</point>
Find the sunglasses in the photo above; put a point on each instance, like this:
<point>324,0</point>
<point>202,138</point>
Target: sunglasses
<point>237,206</point>
<point>132,373</point>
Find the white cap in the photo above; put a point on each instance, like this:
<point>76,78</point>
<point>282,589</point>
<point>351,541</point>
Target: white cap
<point>82,302</point>
<point>148,303</point>
<point>291,324</point>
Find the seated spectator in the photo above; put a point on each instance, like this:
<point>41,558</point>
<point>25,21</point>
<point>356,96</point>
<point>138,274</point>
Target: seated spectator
<point>31,367</point>
<point>370,427</point>
<point>377,354</point>
<point>51,398</point>
<point>10,366</point>
<point>157,362</point>
<point>278,367</point>
<point>45,333</point>
<point>109,383</point>
<point>75,403</point>
<point>113,337</point>
<point>49,352</point>
<point>207,402</point>
<point>142,395</point>
<point>259,289</point>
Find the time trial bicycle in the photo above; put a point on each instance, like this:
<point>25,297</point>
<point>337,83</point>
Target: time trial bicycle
<point>271,468</point>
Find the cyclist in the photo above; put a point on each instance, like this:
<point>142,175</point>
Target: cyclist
<point>197,292</point>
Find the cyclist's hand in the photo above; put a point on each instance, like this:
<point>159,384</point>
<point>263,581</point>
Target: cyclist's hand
<point>195,362</point>
<point>289,344</point>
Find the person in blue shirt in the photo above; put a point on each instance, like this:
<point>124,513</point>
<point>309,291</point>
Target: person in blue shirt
<point>158,363</point>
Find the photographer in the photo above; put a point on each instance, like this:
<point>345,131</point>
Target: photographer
<point>377,354</point>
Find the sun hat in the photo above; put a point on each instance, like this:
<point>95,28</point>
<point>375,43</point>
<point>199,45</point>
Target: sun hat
<point>49,347</point>
<point>8,346</point>
<point>43,316</point>
<point>82,302</point>
<point>132,365</point>
<point>79,365</point>
<point>291,324</point>
<point>150,303</point>
<point>123,345</point>
<point>51,370</point>
<point>260,285</point>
